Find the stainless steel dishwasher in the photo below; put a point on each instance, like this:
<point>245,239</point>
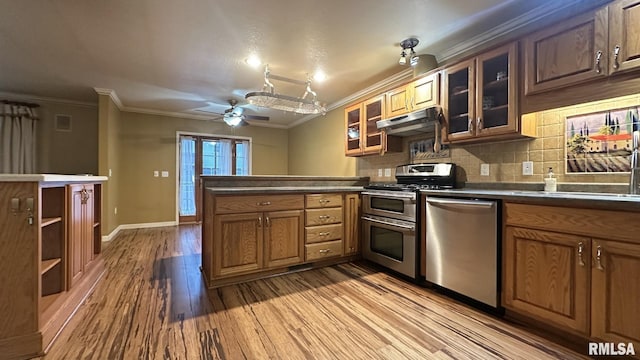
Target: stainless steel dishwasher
<point>462,246</point>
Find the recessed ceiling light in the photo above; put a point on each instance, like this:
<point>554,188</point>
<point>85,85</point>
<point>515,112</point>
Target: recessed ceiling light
<point>319,76</point>
<point>253,60</point>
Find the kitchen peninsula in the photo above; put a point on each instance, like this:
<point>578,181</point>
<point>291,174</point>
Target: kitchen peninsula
<point>258,226</point>
<point>50,247</point>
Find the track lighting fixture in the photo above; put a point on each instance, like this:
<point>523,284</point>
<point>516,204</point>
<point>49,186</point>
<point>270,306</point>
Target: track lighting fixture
<point>409,43</point>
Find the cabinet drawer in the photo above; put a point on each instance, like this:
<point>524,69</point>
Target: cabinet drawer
<point>323,250</point>
<point>240,204</point>
<point>323,200</point>
<point>321,233</point>
<point>323,216</point>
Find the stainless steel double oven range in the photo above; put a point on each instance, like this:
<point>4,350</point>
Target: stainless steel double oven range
<point>391,215</point>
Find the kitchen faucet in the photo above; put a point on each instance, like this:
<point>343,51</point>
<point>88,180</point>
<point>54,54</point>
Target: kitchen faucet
<point>634,178</point>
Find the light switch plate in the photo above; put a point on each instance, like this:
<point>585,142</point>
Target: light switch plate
<point>379,172</point>
<point>156,173</point>
<point>527,168</point>
<point>165,173</point>
<point>484,169</point>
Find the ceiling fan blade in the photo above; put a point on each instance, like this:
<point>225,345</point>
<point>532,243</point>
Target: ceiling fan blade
<point>256,117</point>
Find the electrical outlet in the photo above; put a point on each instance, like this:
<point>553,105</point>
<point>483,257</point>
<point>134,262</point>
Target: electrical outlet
<point>165,173</point>
<point>379,172</point>
<point>484,169</point>
<point>387,172</point>
<point>527,168</point>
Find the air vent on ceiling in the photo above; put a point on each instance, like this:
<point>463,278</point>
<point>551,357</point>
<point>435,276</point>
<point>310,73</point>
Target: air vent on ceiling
<point>63,122</point>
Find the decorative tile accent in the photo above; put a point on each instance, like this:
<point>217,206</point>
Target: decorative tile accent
<point>600,142</point>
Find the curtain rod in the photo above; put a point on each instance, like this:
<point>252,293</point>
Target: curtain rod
<point>20,103</point>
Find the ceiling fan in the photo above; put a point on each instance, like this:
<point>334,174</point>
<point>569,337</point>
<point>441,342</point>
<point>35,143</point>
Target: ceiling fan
<point>235,116</point>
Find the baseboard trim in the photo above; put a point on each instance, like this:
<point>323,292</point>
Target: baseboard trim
<point>107,238</point>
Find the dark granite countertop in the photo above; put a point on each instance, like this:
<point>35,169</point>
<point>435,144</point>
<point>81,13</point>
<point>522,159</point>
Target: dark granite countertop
<point>282,189</point>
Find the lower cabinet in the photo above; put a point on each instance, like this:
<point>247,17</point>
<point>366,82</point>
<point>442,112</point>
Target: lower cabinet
<point>254,241</point>
<point>81,209</point>
<point>247,236</point>
<point>615,291</point>
<point>546,274</point>
<point>576,269</point>
<point>352,212</point>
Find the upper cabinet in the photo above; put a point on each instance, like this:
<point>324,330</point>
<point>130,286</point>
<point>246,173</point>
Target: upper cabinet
<point>590,46</point>
<point>362,136</point>
<point>480,96</point>
<point>420,93</point>
<point>624,35</point>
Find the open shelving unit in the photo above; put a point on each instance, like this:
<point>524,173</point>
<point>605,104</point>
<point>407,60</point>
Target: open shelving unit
<point>52,246</point>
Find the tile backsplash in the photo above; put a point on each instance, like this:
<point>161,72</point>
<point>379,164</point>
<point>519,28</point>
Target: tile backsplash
<point>505,158</point>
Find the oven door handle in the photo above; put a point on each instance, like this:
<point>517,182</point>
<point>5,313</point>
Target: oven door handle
<point>399,194</point>
<point>412,228</point>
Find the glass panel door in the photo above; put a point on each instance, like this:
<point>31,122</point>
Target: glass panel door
<point>187,179</point>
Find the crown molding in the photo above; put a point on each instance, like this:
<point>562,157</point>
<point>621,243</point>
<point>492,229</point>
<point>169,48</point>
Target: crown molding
<point>33,98</point>
<point>112,94</point>
<point>517,23</point>
<point>392,80</point>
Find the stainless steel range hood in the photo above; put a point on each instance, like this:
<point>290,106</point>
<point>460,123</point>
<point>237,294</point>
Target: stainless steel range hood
<point>418,122</point>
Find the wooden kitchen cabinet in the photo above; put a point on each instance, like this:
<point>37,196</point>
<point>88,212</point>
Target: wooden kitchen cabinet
<point>624,32</point>
<point>418,94</point>
<point>574,268</point>
<point>615,291</point>
<point>246,240</point>
<point>546,275</point>
<point>362,136</point>
<point>246,237</point>
<point>283,239</point>
<point>587,47</point>
<point>480,97</point>
<point>36,249</point>
<point>81,235</point>
<point>352,213</point>
<point>324,229</point>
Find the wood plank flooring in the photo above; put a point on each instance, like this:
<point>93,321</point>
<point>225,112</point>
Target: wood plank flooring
<point>152,304</point>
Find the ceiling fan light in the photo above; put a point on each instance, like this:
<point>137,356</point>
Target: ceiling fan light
<point>233,120</point>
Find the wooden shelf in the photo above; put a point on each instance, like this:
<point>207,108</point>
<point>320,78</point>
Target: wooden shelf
<point>354,124</point>
<point>350,140</point>
<point>51,220</point>
<point>465,115</point>
<point>46,301</point>
<point>47,265</point>
<point>461,92</point>
<point>375,118</point>
<point>497,108</point>
<point>497,84</point>
<point>375,134</point>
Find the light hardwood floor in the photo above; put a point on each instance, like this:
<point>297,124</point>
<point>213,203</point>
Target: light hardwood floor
<point>152,304</point>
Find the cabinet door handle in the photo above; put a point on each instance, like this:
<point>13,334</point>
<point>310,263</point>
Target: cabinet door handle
<point>616,52</point>
<point>264,203</point>
<point>268,221</point>
<point>324,251</point>
<point>598,57</point>
<point>323,217</point>
<point>470,126</point>
<point>324,201</point>
<point>324,233</point>
<point>259,221</point>
<point>599,258</point>
<point>479,123</point>
<point>580,253</point>
<point>411,102</point>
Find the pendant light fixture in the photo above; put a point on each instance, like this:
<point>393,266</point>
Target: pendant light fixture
<point>409,43</point>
